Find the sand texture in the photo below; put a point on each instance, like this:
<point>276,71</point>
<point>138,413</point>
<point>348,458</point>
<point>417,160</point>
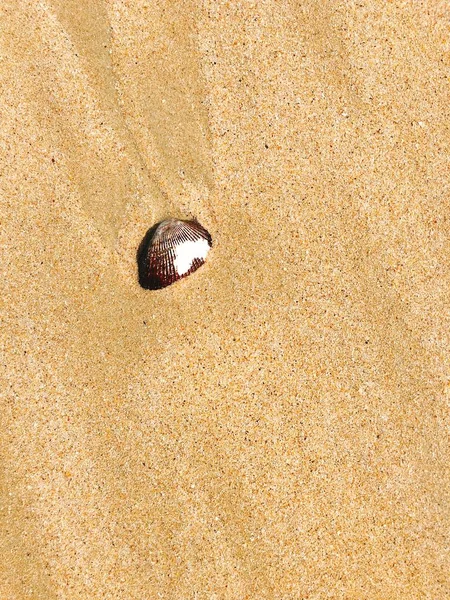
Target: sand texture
<point>274,426</point>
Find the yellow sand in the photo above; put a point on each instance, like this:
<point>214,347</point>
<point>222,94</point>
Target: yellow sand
<point>273,426</point>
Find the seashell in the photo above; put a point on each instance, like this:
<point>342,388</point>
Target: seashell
<point>171,250</point>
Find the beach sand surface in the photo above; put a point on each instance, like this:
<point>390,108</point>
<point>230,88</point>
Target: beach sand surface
<point>274,426</point>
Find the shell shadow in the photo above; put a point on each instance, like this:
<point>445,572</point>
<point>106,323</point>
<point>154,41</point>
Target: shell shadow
<point>141,256</point>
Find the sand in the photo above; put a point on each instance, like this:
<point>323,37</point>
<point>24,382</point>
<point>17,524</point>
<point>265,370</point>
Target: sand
<point>275,426</point>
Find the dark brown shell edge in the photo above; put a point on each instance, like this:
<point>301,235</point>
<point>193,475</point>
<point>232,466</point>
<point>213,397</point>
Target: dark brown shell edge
<point>158,281</point>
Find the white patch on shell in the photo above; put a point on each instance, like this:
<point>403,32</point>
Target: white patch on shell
<point>187,252</point>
